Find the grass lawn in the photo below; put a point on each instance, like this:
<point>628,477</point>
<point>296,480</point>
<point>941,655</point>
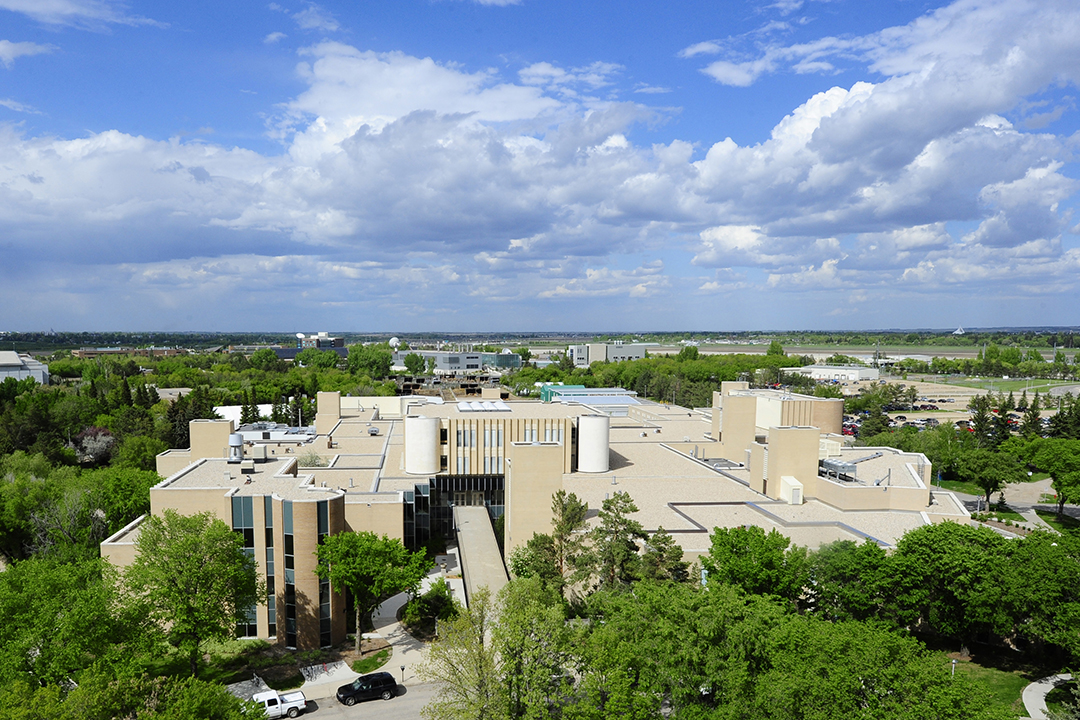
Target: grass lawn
<point>1063,524</point>
<point>1004,686</point>
<point>1016,386</point>
<point>1005,514</point>
<point>964,487</point>
<point>373,663</point>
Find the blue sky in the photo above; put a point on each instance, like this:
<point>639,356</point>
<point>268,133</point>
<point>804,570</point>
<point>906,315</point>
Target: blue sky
<point>454,165</point>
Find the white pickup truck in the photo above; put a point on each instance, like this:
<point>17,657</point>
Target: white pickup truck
<point>277,705</point>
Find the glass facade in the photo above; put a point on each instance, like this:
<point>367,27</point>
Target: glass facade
<point>243,524</point>
<point>271,597</point>
<point>290,574</point>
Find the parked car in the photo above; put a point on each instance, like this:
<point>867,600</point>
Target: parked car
<point>277,705</point>
<point>368,687</point>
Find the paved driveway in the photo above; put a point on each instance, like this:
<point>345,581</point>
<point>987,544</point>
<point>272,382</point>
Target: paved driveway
<point>406,706</point>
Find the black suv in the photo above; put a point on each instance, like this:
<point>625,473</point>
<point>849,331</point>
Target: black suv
<point>368,687</point>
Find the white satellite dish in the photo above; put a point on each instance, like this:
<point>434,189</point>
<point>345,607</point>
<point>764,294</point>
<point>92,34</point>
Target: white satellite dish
<point>300,336</point>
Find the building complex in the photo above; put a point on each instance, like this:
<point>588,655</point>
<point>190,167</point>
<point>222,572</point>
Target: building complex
<point>408,466</point>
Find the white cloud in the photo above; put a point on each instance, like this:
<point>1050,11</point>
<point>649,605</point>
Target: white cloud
<point>84,13</point>
<point>274,37</point>
<point>415,183</point>
<point>11,50</point>
<point>17,106</point>
<point>314,17</point>
<point>707,47</point>
<point>498,3</point>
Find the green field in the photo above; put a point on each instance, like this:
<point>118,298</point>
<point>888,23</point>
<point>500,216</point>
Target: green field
<point>998,385</point>
<point>1004,686</point>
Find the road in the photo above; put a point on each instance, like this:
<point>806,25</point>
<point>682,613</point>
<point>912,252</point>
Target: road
<point>406,706</point>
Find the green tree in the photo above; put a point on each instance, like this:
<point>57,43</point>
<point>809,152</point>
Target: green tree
<point>662,558</point>
<point>849,580</point>
<point>371,567</point>
<point>614,557</point>
<point>138,452</point>
<point>414,363</point>
<point>195,578</point>
<point>266,360</point>
<point>58,618</point>
<point>875,423</point>
<point>372,360</point>
<point>948,576</point>
<point>568,514</point>
<point>533,642</point>
<point>1061,458</point>
<point>758,563</point>
<point>775,348</point>
<point>991,471</point>
<point>1031,423</point>
<point>466,665</point>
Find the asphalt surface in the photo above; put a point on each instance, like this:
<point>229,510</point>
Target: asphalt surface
<point>406,706</point>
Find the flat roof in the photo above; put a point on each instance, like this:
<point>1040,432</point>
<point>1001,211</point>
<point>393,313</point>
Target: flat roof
<point>268,478</point>
<point>481,560</point>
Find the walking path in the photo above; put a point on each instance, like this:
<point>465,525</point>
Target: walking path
<point>407,650</point>
<point>1035,695</point>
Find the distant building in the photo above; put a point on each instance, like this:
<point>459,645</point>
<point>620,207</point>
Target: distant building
<point>840,373</point>
<point>20,367</point>
<point>446,361</point>
<point>320,341</point>
<point>586,355</point>
<point>959,331</point>
<point>88,353</point>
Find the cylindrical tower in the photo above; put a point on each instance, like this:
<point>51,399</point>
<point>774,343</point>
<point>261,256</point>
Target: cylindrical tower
<point>421,445</point>
<point>594,434</point>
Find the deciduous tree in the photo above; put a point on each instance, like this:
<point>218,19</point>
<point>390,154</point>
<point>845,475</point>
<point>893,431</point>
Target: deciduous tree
<point>371,567</point>
<point>195,578</point>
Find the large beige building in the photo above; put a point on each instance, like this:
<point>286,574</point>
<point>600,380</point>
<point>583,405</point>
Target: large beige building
<point>401,465</point>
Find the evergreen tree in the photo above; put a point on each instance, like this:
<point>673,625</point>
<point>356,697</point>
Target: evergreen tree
<point>249,413</point>
<point>125,394</point>
<point>1031,425</point>
<point>1009,405</point>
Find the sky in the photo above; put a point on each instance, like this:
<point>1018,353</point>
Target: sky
<point>538,165</point>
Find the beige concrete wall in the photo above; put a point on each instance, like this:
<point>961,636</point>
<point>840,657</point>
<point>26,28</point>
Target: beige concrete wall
<point>119,549</point>
<point>379,516</point>
<point>792,451</point>
<point>534,473</point>
<point>739,426</point>
<point>388,406</point>
<point>862,497</point>
<point>171,462</point>
<point>192,501</point>
<point>210,438</point>
<point>757,467</point>
<point>828,415</point>
<point>491,393</point>
<point>717,406</point>
<point>328,412</point>
<point>305,541</point>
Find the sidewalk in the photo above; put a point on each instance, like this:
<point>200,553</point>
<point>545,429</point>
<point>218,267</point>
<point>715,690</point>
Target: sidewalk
<point>407,650</point>
<point>1035,695</point>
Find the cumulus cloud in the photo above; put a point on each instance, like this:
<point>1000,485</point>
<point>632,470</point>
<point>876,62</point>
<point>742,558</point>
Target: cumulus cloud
<point>483,192</point>
<point>274,37</point>
<point>11,50</point>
